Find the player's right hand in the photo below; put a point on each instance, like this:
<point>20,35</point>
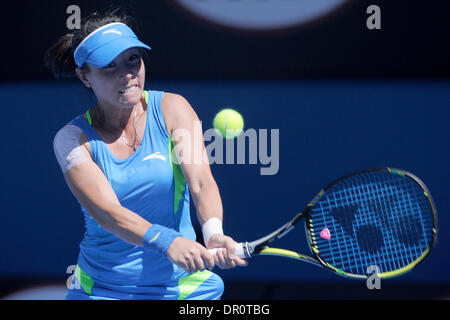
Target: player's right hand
<point>190,255</point>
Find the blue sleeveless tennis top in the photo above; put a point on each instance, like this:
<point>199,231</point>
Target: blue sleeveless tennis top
<point>149,184</point>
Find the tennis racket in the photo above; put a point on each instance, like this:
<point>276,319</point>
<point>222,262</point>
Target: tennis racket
<point>380,217</point>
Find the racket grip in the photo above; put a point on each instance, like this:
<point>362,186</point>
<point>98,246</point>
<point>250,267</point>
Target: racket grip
<point>239,250</point>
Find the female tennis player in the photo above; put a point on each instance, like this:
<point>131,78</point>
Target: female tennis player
<point>117,159</point>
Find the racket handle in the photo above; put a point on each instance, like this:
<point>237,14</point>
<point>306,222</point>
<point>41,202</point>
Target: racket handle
<point>239,250</point>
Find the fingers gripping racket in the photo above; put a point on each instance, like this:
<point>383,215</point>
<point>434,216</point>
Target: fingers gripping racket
<point>378,217</point>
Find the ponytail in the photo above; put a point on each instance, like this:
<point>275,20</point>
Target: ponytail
<point>59,58</point>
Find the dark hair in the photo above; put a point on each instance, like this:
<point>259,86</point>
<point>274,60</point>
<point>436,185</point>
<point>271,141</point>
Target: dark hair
<point>59,57</point>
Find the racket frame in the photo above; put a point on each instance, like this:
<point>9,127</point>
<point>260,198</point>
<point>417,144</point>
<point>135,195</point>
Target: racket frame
<point>261,246</point>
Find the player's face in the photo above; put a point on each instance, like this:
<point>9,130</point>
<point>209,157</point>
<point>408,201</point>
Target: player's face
<point>121,82</point>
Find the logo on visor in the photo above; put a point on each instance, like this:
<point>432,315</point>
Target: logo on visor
<point>112,31</point>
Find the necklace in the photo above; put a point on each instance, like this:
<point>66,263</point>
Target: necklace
<point>135,144</point>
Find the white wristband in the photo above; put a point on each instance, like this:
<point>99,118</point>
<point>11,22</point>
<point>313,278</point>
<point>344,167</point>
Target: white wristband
<point>211,227</point>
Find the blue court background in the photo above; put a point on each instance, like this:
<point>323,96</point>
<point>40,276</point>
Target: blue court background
<point>327,129</point>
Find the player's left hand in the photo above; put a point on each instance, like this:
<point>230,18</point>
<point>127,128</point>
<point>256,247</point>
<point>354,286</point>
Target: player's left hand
<point>225,258</point>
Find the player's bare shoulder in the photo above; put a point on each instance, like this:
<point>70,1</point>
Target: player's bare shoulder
<point>83,140</point>
<point>173,102</point>
<point>176,108</point>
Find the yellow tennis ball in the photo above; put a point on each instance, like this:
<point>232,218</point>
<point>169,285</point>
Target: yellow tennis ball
<point>229,123</point>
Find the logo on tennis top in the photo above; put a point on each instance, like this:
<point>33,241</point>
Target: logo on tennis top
<point>155,155</point>
<point>325,234</point>
<point>112,31</point>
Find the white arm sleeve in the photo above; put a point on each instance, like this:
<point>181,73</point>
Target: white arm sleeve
<point>68,150</point>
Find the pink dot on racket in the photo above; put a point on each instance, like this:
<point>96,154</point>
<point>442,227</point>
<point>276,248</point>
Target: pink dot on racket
<point>325,234</point>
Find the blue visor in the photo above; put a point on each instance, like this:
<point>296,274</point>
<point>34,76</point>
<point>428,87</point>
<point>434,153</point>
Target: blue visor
<point>104,44</point>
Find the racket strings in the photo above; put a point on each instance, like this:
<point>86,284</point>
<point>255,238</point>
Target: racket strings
<point>375,219</point>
